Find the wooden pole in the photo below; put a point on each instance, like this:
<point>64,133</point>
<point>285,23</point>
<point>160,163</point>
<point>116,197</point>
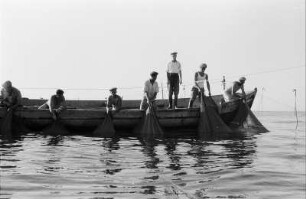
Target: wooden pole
<point>295,109</point>
<point>261,99</point>
<point>223,83</point>
<point>162,88</point>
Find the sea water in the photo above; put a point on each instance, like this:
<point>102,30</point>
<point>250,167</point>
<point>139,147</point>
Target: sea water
<point>251,165</point>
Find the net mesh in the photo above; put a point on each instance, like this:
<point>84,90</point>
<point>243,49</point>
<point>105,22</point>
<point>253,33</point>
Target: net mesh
<point>106,129</point>
<point>210,123</point>
<point>6,126</point>
<point>149,126</point>
<point>253,122</point>
<point>56,128</point>
<point>241,115</point>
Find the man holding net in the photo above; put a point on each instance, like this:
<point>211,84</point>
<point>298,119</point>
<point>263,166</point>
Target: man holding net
<point>200,78</point>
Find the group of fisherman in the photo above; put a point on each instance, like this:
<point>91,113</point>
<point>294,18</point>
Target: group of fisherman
<point>11,96</point>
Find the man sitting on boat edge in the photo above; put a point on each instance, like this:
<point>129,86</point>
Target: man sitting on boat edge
<point>199,78</point>
<point>150,91</point>
<point>56,104</point>
<point>10,96</point>
<point>230,93</point>
<point>114,101</point>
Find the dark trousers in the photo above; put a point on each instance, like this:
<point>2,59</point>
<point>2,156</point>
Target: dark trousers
<point>174,87</point>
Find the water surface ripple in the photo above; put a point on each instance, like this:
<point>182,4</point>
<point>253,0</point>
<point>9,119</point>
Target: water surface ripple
<point>251,165</point>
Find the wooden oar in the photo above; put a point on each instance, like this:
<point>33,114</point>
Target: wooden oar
<point>106,129</point>
<point>149,127</point>
<point>210,123</point>
<point>6,126</point>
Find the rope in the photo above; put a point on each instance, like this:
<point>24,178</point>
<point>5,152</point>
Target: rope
<point>80,89</point>
<point>184,86</point>
<point>270,71</point>
<point>212,81</point>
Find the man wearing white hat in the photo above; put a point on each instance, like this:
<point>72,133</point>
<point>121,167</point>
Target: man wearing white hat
<point>150,91</point>
<point>174,79</point>
<point>230,93</point>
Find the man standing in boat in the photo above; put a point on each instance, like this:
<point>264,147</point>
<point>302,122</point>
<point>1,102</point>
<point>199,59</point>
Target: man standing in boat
<point>114,101</point>
<point>200,78</point>
<point>174,79</point>
<point>150,91</point>
<point>56,104</point>
<point>230,93</point>
<point>10,96</point>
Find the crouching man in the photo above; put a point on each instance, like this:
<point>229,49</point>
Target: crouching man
<point>56,104</point>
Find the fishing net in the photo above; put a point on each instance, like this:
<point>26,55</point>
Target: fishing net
<point>20,127</point>
<point>210,123</point>
<point>106,129</point>
<point>56,128</point>
<point>6,126</point>
<point>253,122</point>
<point>240,116</point>
<point>149,127</point>
<point>246,118</point>
<point>204,127</point>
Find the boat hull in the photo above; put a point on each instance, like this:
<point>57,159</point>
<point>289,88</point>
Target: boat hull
<point>88,118</point>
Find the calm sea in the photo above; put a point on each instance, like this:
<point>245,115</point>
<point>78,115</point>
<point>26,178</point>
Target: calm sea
<point>268,165</point>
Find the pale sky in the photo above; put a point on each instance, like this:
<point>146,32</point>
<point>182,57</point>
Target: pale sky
<point>88,46</point>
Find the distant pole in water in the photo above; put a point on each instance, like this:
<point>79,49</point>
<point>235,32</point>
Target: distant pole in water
<point>295,109</point>
<point>223,83</point>
<point>261,98</point>
<point>162,87</point>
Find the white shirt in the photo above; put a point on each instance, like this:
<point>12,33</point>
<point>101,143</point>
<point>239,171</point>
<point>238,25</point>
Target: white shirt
<point>200,80</point>
<point>151,89</point>
<point>174,67</point>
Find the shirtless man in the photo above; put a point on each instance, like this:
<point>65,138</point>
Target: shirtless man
<point>230,93</point>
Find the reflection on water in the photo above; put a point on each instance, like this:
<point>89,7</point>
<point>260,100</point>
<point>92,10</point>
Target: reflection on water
<point>245,166</point>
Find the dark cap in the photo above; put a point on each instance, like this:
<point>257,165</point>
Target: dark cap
<point>154,73</point>
<point>174,53</point>
<point>59,92</point>
<point>113,89</point>
<point>242,79</point>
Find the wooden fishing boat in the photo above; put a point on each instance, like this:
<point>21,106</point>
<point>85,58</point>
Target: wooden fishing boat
<point>86,115</point>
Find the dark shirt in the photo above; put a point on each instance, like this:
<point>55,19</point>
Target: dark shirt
<point>12,98</point>
<point>57,102</point>
<point>114,101</point>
